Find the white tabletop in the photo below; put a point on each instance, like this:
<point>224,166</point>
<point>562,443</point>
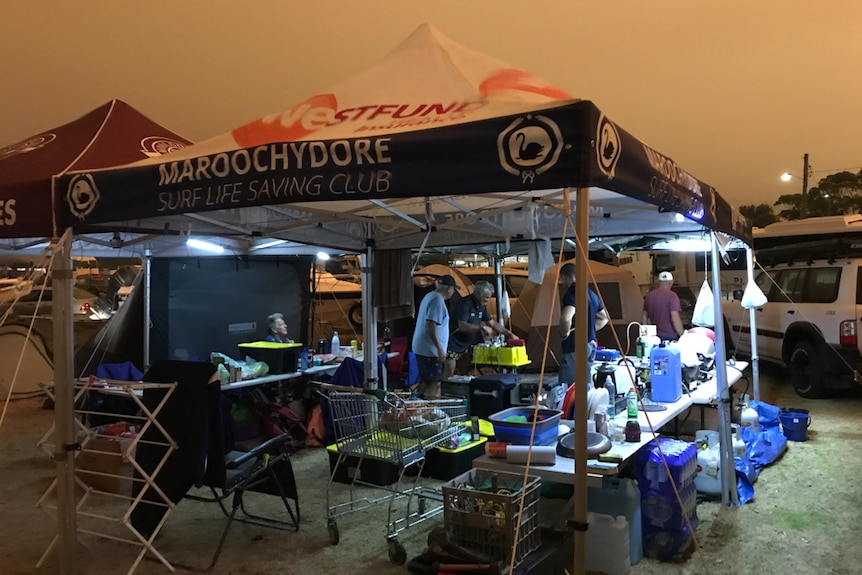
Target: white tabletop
<point>317,369</point>
<point>563,469</point>
<point>705,393</point>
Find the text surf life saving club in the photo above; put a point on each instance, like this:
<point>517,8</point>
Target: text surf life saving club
<point>371,152</point>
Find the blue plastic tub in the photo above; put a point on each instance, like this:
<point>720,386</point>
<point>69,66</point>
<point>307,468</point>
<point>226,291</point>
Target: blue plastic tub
<point>518,432</point>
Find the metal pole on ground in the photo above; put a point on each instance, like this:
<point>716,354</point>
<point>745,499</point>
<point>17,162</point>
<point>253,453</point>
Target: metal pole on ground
<point>64,422</point>
<point>729,495</point>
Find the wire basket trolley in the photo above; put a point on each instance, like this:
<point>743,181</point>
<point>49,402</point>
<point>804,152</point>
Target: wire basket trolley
<point>386,427</point>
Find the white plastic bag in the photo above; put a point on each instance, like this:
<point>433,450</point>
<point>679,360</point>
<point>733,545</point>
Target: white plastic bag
<point>752,297</point>
<point>704,310</point>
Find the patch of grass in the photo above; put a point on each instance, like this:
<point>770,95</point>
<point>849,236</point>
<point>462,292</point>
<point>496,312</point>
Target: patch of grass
<point>801,520</point>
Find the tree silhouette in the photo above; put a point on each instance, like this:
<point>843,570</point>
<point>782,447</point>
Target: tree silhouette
<point>760,215</point>
<point>836,194</point>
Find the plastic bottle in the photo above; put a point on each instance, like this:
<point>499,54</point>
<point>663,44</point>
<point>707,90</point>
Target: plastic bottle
<point>612,397</point>
<point>303,359</point>
<point>336,344</point>
<point>632,403</point>
<point>749,417</point>
<point>639,347</point>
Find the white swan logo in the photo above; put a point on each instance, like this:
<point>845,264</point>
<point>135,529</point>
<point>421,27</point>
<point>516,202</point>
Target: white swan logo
<point>529,146</point>
<point>154,146</point>
<point>28,145</point>
<point>82,195</point>
<point>607,146</point>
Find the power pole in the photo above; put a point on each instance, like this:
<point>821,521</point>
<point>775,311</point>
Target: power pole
<point>802,211</point>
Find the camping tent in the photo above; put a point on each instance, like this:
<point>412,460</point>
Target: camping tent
<point>436,145</point>
<point>539,304</point>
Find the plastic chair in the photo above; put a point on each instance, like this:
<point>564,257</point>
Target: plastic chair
<point>194,417</point>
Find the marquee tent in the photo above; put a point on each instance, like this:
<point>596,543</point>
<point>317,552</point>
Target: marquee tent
<point>436,145</point>
<point>113,134</point>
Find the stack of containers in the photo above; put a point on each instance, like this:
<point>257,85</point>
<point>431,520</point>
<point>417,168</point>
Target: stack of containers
<point>620,497</point>
<point>666,534</point>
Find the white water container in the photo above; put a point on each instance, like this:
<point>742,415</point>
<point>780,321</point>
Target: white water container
<point>738,443</point>
<point>749,417</point>
<point>607,544</point>
<point>620,497</point>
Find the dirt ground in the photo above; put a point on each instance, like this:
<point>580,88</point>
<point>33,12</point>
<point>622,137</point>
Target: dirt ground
<point>804,517</point>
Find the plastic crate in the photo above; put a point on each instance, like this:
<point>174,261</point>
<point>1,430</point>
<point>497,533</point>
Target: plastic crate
<point>280,357</point>
<point>518,433</point>
<point>366,470</point>
<point>443,463</point>
<point>497,355</point>
<point>481,509</point>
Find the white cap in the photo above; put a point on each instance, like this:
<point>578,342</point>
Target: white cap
<point>665,277</point>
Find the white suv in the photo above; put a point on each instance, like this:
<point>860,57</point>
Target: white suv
<point>811,320</point>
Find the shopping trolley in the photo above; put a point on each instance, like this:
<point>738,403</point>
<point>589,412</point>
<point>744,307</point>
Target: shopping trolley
<point>390,428</point>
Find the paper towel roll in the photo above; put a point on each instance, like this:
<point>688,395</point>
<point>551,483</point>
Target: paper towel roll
<point>542,454</point>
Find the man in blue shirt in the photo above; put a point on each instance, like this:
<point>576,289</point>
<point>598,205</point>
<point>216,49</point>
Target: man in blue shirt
<point>469,324</point>
<point>277,329</point>
<point>597,319</point>
<point>431,336</point>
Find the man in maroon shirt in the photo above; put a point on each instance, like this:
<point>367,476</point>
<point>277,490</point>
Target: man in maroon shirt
<point>661,309</point>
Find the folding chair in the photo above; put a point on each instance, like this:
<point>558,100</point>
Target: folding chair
<point>195,418</point>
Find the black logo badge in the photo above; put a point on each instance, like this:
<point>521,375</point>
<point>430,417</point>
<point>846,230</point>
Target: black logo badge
<point>82,195</point>
<point>607,146</point>
<point>529,146</point>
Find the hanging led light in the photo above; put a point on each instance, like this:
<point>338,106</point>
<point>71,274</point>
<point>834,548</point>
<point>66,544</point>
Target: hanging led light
<point>204,245</point>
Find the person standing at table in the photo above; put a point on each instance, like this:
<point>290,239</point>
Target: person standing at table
<point>662,307</point>
<point>277,329</point>
<point>469,324</point>
<point>597,319</point>
<point>431,336</point>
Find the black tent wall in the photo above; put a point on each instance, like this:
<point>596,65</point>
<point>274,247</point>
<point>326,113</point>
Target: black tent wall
<point>201,305</point>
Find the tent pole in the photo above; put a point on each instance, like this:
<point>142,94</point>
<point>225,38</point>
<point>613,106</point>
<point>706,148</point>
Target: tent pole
<point>148,268</point>
<point>752,321</point>
<point>369,320</point>
<point>582,375</point>
<point>729,494</point>
<point>64,422</point>
<point>498,284</point>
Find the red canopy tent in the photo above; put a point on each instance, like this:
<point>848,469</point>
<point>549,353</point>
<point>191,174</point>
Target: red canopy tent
<point>115,133</point>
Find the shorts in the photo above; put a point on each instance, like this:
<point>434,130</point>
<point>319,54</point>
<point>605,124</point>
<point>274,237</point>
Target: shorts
<point>430,368</point>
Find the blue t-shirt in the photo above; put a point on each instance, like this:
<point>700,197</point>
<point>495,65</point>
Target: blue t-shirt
<point>274,339</point>
<point>594,304</point>
<point>433,308</point>
<point>466,310</point>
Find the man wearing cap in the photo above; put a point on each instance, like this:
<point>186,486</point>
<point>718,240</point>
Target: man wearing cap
<point>431,336</point>
<point>469,324</point>
<point>661,309</point>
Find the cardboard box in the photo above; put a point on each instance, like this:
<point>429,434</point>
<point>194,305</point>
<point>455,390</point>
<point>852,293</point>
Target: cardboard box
<point>103,466</point>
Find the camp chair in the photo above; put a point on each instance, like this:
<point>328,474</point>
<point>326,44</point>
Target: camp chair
<point>195,417</point>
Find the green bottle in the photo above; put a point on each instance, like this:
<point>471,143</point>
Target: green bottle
<point>632,404</point>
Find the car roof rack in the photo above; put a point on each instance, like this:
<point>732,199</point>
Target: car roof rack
<point>829,249</point>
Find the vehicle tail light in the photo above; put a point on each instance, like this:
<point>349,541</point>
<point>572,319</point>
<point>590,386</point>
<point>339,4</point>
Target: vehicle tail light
<point>86,307</point>
<point>847,333</point>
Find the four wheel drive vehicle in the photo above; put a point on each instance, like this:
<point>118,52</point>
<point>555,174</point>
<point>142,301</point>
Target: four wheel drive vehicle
<point>810,321</point>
